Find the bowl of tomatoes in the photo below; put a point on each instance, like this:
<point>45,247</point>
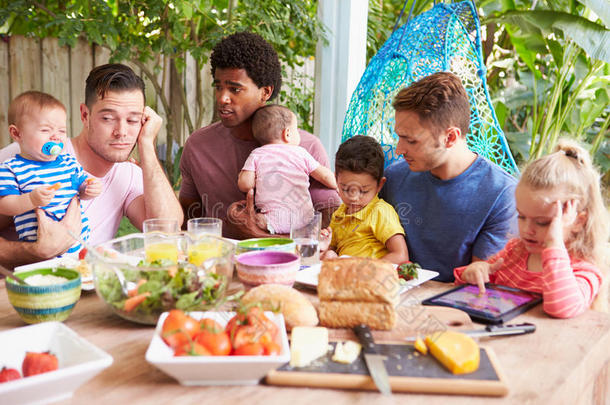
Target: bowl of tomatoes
<point>219,348</point>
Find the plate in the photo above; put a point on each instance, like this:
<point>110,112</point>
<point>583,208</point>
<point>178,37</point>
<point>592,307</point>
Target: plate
<point>69,262</point>
<point>216,370</point>
<point>308,277</point>
<point>78,359</point>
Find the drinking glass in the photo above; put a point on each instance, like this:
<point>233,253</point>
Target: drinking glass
<point>204,226</point>
<point>201,247</point>
<point>306,235</point>
<point>161,239</point>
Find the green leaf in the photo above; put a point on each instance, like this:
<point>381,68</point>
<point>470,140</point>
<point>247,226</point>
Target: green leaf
<point>590,36</point>
<point>601,8</point>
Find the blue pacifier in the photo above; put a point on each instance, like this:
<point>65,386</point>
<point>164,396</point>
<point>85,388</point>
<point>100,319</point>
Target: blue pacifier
<point>52,148</point>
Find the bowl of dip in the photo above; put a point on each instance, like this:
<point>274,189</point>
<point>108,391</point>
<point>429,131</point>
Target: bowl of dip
<point>48,295</point>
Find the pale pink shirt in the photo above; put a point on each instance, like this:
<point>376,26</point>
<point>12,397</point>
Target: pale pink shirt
<point>120,186</point>
<point>282,184</point>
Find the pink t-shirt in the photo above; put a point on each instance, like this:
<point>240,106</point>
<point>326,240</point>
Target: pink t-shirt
<point>282,184</point>
<point>120,186</point>
<point>212,159</point>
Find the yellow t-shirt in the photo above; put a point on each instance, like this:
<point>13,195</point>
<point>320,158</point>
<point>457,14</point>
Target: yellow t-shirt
<point>365,233</point>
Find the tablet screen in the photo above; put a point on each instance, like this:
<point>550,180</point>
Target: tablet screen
<point>496,301</point>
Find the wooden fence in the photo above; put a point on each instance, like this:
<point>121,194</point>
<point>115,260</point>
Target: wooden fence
<point>41,64</point>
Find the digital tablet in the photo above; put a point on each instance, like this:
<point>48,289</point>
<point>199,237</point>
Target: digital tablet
<point>497,305</point>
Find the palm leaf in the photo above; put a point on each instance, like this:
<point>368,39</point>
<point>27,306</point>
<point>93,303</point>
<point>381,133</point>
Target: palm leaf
<point>593,38</point>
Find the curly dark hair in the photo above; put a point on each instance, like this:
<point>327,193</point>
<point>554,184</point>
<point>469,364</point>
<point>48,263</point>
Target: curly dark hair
<point>249,51</point>
<point>360,154</point>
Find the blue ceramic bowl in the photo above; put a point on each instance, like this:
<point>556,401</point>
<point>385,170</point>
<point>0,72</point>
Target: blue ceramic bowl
<point>54,302</point>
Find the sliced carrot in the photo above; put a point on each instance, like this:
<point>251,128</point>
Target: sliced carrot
<point>55,186</point>
<point>134,291</point>
<point>133,302</point>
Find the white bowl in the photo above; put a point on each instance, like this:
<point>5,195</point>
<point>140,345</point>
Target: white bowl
<point>216,370</point>
<point>78,361</point>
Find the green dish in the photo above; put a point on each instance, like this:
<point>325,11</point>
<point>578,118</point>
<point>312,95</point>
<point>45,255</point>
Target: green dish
<point>45,303</point>
<point>258,244</point>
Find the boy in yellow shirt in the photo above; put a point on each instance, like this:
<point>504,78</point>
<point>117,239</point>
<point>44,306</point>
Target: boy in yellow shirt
<point>364,225</point>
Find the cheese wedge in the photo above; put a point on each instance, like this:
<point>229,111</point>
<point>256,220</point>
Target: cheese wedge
<point>346,352</point>
<point>307,344</point>
<point>420,346</point>
<point>456,351</point>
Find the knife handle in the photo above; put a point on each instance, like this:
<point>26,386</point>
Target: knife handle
<point>363,332</point>
<point>525,327</point>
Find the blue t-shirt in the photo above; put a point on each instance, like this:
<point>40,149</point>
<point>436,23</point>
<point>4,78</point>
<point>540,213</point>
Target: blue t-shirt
<point>20,175</point>
<point>447,222</point>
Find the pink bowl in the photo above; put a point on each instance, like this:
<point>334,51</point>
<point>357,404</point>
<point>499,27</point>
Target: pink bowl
<point>267,267</point>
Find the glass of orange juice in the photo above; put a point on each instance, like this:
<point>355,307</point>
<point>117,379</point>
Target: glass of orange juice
<point>161,239</point>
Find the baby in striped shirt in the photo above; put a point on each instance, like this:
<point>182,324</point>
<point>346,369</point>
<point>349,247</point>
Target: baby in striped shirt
<point>39,176</point>
<point>561,251</point>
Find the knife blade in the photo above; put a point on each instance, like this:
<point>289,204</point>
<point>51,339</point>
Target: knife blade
<point>373,360</point>
<point>494,330</point>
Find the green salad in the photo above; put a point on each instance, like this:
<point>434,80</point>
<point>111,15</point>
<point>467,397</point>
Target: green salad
<point>153,291</point>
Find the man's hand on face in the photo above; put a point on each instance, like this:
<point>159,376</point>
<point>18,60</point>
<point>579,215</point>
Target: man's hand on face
<point>151,123</point>
<point>52,236</point>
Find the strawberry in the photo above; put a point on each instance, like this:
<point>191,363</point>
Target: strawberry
<point>38,363</point>
<point>9,374</point>
<point>82,254</point>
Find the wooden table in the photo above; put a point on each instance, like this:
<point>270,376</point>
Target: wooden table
<point>563,362</point>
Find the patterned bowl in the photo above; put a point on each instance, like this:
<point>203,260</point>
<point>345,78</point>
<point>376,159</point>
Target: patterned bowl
<point>260,244</point>
<point>45,302</point>
<point>267,267</point>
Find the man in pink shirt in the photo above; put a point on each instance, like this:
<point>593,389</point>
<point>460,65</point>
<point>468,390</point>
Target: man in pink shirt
<point>247,74</point>
<point>115,119</point>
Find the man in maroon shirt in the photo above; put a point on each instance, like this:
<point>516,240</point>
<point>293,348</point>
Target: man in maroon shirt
<point>247,74</point>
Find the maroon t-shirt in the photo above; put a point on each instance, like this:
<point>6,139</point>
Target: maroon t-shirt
<point>212,159</point>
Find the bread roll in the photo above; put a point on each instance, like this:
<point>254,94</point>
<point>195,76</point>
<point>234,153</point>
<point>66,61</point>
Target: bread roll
<point>337,314</point>
<point>296,308</point>
<point>358,279</point>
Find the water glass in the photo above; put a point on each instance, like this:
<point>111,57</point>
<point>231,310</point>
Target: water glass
<point>161,239</point>
<point>306,235</point>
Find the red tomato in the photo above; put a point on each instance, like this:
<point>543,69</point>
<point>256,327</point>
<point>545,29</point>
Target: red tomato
<point>211,325</point>
<point>263,325</point>
<point>191,349</point>
<point>38,363</point>
<point>231,327</point>
<point>218,344</point>
<point>249,349</point>
<point>176,339</point>
<point>272,349</point>
<point>9,374</point>
<point>177,320</point>
<point>82,254</point>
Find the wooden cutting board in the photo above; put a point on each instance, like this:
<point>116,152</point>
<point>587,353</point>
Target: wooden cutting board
<point>408,370</point>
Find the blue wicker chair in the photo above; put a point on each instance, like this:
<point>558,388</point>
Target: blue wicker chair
<point>444,38</point>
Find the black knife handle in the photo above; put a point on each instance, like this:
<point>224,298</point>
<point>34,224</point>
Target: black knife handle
<point>525,327</point>
<point>363,332</point>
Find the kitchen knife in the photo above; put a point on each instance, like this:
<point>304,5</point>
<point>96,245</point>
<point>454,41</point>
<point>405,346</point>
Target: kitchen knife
<point>494,330</point>
<point>373,360</point>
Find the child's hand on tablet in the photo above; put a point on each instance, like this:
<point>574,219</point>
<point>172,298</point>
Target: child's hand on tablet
<point>478,273</point>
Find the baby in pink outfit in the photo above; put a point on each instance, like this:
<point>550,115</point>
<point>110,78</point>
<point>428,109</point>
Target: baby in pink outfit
<point>279,171</point>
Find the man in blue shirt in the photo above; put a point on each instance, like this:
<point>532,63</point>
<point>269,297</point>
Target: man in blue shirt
<point>455,206</point>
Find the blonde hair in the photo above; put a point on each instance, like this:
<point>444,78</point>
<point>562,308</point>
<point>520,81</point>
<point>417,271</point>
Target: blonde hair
<point>569,169</point>
<point>27,101</point>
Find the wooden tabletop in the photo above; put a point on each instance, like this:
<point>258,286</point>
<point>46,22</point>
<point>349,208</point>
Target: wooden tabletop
<point>563,362</point>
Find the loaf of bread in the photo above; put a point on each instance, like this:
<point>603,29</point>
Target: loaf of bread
<point>358,279</point>
<point>343,314</point>
<point>296,308</point>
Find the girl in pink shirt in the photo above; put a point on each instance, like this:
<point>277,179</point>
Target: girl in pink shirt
<point>279,171</point>
<point>563,236</point>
